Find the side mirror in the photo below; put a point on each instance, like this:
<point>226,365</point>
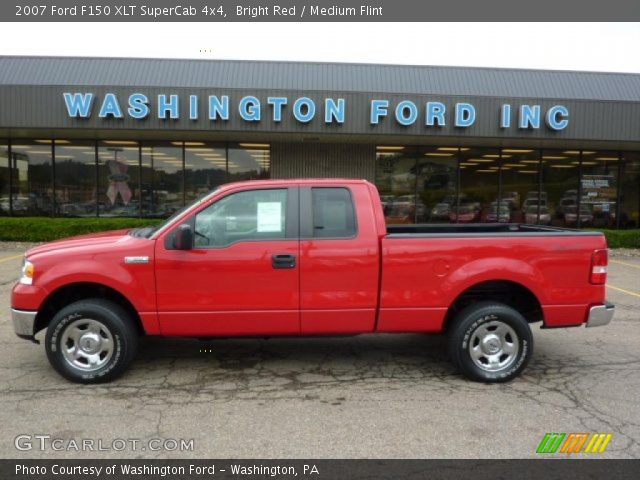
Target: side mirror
<point>183,239</point>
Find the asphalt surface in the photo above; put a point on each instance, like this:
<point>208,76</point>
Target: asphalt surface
<point>386,396</point>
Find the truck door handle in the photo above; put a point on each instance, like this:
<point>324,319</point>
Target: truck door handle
<point>283,260</point>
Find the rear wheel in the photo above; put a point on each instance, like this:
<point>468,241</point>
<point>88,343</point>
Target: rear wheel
<point>91,341</point>
<point>490,342</point>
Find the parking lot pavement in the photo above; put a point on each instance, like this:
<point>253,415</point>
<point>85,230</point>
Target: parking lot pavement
<point>387,396</point>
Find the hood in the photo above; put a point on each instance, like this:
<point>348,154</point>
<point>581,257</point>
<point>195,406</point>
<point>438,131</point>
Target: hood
<point>100,239</point>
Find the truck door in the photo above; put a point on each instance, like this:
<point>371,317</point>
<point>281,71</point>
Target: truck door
<point>338,260</point>
<point>242,275</point>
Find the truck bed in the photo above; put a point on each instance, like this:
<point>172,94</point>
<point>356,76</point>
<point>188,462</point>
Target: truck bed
<point>426,267</point>
<point>481,230</point>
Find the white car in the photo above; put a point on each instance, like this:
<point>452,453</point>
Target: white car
<point>531,215</point>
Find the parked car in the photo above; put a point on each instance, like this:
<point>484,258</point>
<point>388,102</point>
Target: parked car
<point>400,210</point>
<point>571,216</point>
<point>313,257</point>
<point>441,212</point>
<point>531,215</point>
<point>498,213</point>
<point>465,213</point>
<point>21,204</point>
<point>565,204</point>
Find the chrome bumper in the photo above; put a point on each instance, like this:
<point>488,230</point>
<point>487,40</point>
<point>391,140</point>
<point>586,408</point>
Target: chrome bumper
<point>600,315</point>
<point>23,322</point>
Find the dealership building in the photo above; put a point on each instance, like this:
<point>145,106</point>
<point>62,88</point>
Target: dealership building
<point>87,137</point>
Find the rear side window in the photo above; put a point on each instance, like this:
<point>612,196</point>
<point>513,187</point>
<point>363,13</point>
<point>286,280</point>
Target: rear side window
<point>333,213</point>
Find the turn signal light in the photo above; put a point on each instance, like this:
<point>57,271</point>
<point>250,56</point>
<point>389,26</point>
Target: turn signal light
<point>28,270</point>
<point>599,262</point>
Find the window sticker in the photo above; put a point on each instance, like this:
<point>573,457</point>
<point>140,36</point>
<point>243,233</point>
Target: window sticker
<point>232,223</point>
<point>269,217</point>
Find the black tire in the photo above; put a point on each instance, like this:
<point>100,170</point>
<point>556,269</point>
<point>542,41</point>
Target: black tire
<point>486,320</point>
<point>109,330</point>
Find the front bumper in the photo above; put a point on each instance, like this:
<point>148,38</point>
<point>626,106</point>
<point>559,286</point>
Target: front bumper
<point>600,315</point>
<point>24,322</point>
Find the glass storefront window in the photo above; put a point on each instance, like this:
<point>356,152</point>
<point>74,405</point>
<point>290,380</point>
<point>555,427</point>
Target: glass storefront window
<point>150,180</point>
<point>118,178</point>
<point>436,184</point>
<point>630,190</point>
<point>4,179</point>
<point>478,199</point>
<point>32,178</point>
<point>519,177</point>
<point>599,183</point>
<point>162,179</point>
<point>562,187</point>
<point>560,174</point>
<point>396,181</point>
<point>205,168</point>
<point>249,161</point>
<point>75,178</point>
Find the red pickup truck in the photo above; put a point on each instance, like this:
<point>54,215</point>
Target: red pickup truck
<point>308,257</point>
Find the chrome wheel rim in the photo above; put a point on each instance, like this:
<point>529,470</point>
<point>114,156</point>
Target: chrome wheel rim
<point>494,346</point>
<point>87,344</point>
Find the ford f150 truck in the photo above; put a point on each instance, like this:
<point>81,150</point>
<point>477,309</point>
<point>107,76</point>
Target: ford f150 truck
<point>308,257</point>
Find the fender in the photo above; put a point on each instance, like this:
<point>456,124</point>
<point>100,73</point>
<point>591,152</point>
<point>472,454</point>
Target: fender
<point>494,269</point>
<point>138,288</point>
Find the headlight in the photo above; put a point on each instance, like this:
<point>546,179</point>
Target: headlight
<point>26,277</point>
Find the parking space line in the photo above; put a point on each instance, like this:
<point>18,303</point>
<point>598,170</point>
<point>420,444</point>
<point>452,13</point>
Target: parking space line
<point>625,263</point>
<point>624,291</point>
<point>14,257</point>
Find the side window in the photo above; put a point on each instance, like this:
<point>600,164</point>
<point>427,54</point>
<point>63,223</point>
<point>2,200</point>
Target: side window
<point>248,215</point>
<point>333,213</point>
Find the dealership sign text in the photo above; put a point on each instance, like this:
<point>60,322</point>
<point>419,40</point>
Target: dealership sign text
<point>218,108</point>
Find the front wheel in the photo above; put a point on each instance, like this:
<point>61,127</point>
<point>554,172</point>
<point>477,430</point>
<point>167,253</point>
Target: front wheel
<point>91,341</point>
<point>490,342</point>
